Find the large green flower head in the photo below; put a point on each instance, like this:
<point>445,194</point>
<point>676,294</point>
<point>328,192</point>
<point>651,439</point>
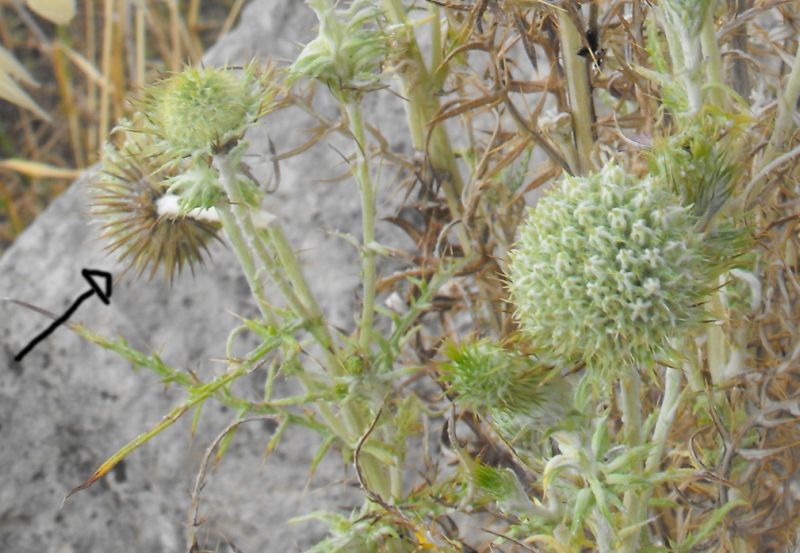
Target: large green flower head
<point>203,109</point>
<point>609,268</point>
<point>349,48</point>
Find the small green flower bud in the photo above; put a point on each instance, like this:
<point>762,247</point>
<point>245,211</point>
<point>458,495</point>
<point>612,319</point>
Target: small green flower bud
<point>490,379</point>
<point>198,187</point>
<point>607,269</point>
<point>347,53</point>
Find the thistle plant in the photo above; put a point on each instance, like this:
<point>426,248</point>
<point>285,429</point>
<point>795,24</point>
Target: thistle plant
<point>563,353</point>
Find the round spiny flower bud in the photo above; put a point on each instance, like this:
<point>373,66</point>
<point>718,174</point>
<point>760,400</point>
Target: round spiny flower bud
<point>607,269</point>
<point>486,377</point>
<point>203,108</point>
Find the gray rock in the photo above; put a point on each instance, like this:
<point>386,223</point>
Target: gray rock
<point>69,405</point>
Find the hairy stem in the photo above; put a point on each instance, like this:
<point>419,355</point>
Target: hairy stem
<point>783,119</point>
<point>686,55</point>
<point>245,256</point>
<point>714,75</point>
<point>367,190</point>
<point>666,415</point>
<point>631,404</point>
<point>418,87</point>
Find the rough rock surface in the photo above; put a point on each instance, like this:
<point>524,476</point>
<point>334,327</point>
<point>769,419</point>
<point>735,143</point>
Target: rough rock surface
<point>69,405</point>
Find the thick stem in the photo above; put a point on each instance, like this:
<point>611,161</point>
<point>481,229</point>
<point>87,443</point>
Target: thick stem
<point>666,415</point>
<point>298,295</point>
<point>580,93</point>
<point>686,56</point>
<point>714,75</point>
<point>692,70</point>
<point>367,190</point>
<point>245,256</point>
<point>630,393</point>
<point>276,238</point>
<point>421,107</point>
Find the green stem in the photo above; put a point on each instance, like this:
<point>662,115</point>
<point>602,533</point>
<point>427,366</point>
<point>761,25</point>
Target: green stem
<point>631,404</point>
<point>666,415</point>
<point>367,190</point>
<point>578,89</point>
<point>693,376</point>
<point>298,296</point>
<point>630,392</point>
<point>714,74</point>
<point>243,253</point>
<point>248,242</point>
<point>783,119</point>
<point>686,55</point>
<point>421,108</point>
<point>301,294</point>
<point>717,349</point>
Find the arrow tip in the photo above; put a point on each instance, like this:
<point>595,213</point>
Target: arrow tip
<point>91,276</point>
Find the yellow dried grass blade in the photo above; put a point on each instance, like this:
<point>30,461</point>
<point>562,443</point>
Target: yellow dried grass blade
<point>10,65</point>
<point>232,15</point>
<point>59,12</point>
<point>86,67</point>
<point>38,170</point>
<point>10,90</point>
<point>64,81</point>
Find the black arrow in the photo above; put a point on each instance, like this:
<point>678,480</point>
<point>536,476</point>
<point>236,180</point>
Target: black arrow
<point>103,293</point>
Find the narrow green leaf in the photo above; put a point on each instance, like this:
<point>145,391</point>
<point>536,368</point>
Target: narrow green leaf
<point>319,455</point>
<point>708,526</point>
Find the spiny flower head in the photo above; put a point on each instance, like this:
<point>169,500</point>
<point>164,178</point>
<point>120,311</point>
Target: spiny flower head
<point>347,53</point>
<point>607,269</point>
<point>203,109</point>
<point>125,199</point>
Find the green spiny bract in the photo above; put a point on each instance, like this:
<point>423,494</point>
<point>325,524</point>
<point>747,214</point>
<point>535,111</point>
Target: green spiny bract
<point>490,379</point>
<point>607,269</point>
<point>202,109</point>
<point>695,168</point>
<point>347,53</point>
<point>198,185</point>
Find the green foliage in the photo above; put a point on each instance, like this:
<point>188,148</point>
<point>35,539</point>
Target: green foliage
<point>695,167</point>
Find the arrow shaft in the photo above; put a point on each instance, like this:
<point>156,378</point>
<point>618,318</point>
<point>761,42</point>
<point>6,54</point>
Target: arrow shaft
<point>58,322</point>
